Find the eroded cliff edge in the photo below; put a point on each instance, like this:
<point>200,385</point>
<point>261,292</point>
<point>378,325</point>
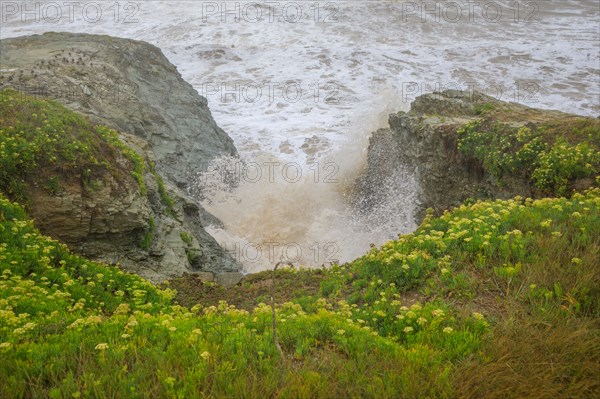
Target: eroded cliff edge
<point>463,145</point>
<point>156,230</point>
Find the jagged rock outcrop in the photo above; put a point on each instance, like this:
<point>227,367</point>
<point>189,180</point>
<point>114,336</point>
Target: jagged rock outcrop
<point>125,84</point>
<point>129,86</point>
<point>422,143</point>
<point>177,242</point>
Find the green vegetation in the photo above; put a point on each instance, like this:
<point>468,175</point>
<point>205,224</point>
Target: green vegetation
<point>492,299</point>
<point>396,320</point>
<point>300,286</point>
<point>191,253</point>
<point>552,157</point>
<point>146,242</point>
<point>88,329</point>
<point>192,256</point>
<point>139,165</point>
<point>186,238</point>
<point>164,197</point>
<point>482,109</point>
<point>40,140</point>
<point>53,185</point>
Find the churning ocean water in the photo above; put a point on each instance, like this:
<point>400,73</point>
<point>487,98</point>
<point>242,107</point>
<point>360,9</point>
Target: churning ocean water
<point>300,85</point>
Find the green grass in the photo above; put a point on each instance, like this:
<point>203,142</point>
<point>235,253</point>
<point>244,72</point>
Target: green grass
<point>103,332</point>
<point>552,157</point>
<point>146,242</point>
<point>482,109</point>
<point>372,328</point>
<point>139,165</point>
<point>166,200</point>
<point>491,299</point>
<point>42,141</point>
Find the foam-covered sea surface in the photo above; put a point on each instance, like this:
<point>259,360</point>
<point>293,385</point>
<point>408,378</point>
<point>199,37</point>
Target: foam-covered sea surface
<point>300,85</point>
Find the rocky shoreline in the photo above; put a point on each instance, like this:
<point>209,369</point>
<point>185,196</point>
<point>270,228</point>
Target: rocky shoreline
<point>131,87</point>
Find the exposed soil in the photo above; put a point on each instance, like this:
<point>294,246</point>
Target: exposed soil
<point>251,291</point>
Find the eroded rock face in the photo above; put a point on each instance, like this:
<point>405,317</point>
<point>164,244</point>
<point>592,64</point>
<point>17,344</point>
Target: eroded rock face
<point>125,84</point>
<point>73,213</point>
<point>423,143</point>
<point>110,221</point>
<point>130,86</point>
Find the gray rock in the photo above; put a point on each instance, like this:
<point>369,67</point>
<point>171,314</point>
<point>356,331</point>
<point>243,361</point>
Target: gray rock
<point>126,84</point>
<point>109,223</point>
<point>424,143</point>
<point>130,86</point>
<point>228,279</point>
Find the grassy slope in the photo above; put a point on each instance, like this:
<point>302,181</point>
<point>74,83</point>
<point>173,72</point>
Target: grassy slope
<point>531,268</point>
<point>361,339</point>
<point>494,299</point>
<point>71,325</point>
<point>44,144</point>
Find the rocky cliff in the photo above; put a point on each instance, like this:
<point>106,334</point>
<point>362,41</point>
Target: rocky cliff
<point>125,84</point>
<point>129,86</point>
<point>460,145</point>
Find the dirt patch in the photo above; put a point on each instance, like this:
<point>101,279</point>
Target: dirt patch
<point>251,291</point>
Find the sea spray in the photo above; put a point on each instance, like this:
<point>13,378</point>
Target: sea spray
<point>276,210</point>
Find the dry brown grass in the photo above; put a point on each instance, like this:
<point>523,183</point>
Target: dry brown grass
<point>536,359</point>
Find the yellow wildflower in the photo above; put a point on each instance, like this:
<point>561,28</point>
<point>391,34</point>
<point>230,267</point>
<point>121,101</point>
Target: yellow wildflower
<point>102,346</point>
